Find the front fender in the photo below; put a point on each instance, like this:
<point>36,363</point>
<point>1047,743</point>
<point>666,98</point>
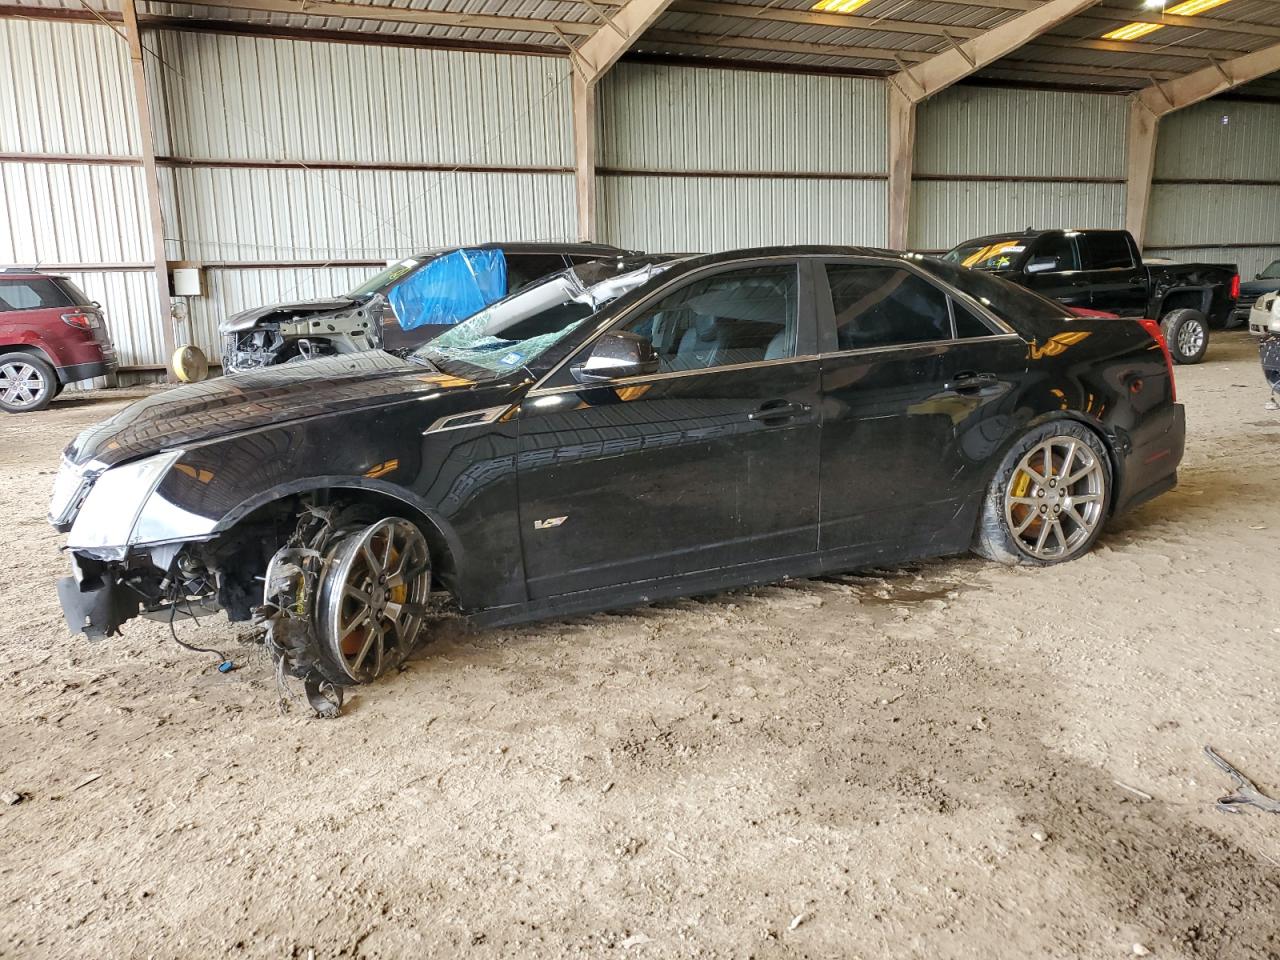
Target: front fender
<point>304,485</point>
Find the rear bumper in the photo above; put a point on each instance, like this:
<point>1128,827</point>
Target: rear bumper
<point>1150,467</point>
<point>86,371</point>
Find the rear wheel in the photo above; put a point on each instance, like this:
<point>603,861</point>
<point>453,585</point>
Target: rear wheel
<point>373,599</point>
<point>1187,334</point>
<point>1047,502</point>
<point>27,383</point>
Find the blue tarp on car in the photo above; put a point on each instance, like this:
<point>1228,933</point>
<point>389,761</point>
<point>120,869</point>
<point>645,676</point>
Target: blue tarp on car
<point>450,288</point>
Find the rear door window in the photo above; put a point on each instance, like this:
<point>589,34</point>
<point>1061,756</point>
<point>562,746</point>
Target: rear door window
<point>882,306</point>
<point>35,294</point>
<point>968,323</point>
<point>1105,250</point>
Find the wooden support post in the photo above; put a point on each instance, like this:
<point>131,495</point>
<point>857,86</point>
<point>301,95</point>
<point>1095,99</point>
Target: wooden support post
<point>584,153</point>
<point>902,145</point>
<point>151,177</point>
<point>1139,167</point>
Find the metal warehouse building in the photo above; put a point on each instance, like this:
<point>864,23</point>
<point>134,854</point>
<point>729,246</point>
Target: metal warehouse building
<point>296,147</point>
<point>639,479</point>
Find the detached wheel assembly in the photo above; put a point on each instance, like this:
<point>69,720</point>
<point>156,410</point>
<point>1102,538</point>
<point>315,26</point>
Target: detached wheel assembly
<point>372,599</point>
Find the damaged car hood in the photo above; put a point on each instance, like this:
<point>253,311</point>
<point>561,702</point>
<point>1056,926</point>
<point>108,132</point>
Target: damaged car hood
<point>248,319</point>
<point>227,405</point>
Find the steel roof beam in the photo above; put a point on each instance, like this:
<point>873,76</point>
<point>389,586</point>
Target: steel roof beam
<point>591,60</point>
<point>437,18</point>
<point>1149,104</point>
<point>912,85</point>
<point>601,50</point>
<point>1219,77</point>
<point>957,62</point>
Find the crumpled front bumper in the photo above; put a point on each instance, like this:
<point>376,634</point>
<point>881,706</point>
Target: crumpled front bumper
<point>94,601</point>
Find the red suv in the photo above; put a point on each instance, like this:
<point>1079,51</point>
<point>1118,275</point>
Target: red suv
<point>51,334</point>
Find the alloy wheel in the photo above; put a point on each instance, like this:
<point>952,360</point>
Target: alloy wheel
<point>1055,498</point>
<point>20,384</point>
<point>1190,338</point>
<point>373,598</point>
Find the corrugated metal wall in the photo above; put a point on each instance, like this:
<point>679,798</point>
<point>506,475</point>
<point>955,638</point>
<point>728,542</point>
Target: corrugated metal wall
<point>1199,206</point>
<point>991,159</point>
<point>280,156</point>
<point>65,88</point>
<point>77,199</point>
<point>677,139</point>
<point>261,185</point>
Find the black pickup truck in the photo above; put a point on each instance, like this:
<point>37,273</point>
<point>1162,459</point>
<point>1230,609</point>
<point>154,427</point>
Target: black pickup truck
<point>1103,270</point>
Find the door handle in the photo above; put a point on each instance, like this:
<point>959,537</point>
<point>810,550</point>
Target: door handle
<point>969,382</point>
<point>776,411</point>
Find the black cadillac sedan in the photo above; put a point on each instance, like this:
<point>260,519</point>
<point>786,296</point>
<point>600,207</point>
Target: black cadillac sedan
<point>624,432</point>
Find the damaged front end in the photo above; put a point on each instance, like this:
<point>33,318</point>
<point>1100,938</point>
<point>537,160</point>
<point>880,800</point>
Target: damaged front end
<point>339,592</point>
<point>267,337</point>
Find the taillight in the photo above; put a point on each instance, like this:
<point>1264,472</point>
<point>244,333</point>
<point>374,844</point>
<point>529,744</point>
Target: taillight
<point>80,319</point>
<point>1235,287</point>
<point>1153,327</point>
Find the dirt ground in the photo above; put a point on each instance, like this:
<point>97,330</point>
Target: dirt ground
<point>923,762</point>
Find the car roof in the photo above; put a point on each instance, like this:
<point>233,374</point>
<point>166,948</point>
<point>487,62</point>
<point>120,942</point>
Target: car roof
<point>795,250</point>
<point>1031,233</point>
<point>521,246</point>
<point>27,273</point>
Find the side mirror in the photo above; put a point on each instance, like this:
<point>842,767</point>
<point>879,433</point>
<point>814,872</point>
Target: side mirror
<point>1042,264</point>
<point>615,356</point>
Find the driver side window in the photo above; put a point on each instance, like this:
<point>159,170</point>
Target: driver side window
<point>1058,249</point>
<point>743,316</point>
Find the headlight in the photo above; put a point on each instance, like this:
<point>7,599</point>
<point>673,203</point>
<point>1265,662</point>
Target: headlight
<point>69,489</point>
<point>111,510</point>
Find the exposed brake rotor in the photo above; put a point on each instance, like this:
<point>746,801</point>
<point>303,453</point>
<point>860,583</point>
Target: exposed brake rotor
<point>343,604</point>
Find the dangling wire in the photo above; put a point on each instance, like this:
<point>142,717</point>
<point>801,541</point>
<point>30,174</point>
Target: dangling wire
<point>225,663</point>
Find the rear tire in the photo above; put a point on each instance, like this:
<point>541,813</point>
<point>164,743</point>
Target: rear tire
<point>27,383</point>
<point>1048,500</point>
<point>1187,333</point>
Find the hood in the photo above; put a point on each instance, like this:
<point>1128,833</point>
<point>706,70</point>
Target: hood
<point>1257,288</point>
<point>217,408</point>
<point>248,319</point>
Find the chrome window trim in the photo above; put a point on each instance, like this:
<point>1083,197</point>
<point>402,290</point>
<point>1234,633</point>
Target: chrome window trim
<point>897,260</point>
<point>807,358</point>
<point>669,375</point>
<point>950,341</point>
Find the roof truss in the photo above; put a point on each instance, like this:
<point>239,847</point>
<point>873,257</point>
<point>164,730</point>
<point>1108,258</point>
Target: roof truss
<point>964,58</point>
